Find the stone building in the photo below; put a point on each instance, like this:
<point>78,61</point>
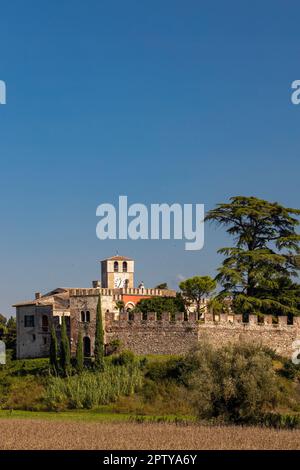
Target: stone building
<point>78,306</point>
<point>143,334</point>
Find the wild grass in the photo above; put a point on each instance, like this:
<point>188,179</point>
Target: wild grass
<point>92,389</point>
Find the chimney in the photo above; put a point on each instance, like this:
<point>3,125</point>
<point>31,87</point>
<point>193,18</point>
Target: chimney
<point>96,284</point>
<point>38,295</point>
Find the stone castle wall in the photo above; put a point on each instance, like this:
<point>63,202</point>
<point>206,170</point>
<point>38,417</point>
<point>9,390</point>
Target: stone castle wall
<point>164,336</point>
<point>173,335</point>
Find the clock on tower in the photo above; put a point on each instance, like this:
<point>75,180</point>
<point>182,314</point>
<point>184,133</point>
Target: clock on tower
<point>117,272</point>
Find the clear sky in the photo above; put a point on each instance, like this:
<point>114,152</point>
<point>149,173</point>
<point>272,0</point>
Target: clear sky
<point>161,100</point>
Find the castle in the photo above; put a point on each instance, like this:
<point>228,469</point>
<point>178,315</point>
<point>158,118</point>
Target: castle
<point>143,334</point>
<point>78,306</point>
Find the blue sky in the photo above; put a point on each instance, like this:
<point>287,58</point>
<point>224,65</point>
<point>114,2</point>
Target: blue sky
<point>164,101</point>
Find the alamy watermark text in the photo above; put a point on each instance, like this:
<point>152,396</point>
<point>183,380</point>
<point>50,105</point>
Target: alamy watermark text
<point>160,221</point>
<point>2,92</point>
<point>296,92</point>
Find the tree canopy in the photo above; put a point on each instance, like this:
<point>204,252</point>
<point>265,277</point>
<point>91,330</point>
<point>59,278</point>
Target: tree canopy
<point>195,289</point>
<point>160,304</point>
<point>259,271</point>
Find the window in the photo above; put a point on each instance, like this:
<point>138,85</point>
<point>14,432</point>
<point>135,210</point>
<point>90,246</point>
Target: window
<point>45,323</point>
<point>44,340</point>
<point>116,267</point>
<point>33,338</point>
<point>124,267</point>
<point>29,321</point>
<point>85,316</point>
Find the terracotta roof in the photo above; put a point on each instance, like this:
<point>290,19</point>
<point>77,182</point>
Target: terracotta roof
<point>59,298</point>
<point>118,258</point>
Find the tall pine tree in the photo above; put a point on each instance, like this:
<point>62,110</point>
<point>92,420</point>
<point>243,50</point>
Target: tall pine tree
<point>79,353</point>
<point>53,353</point>
<point>258,271</point>
<point>99,338</point>
<point>65,356</point>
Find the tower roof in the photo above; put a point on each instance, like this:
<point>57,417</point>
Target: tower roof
<point>118,258</point>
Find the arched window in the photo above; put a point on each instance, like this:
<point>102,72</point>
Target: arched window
<point>124,267</point>
<point>87,317</point>
<point>45,323</point>
<point>116,267</point>
<point>82,316</point>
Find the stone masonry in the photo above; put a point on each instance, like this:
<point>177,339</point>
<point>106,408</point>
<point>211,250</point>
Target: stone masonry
<point>164,336</point>
<point>176,335</point>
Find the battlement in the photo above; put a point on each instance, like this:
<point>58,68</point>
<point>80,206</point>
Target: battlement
<point>176,334</point>
<point>223,319</point>
<point>118,293</point>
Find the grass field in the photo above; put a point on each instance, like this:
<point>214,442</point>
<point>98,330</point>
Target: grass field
<point>158,414</point>
<point>34,434</point>
<point>105,414</point>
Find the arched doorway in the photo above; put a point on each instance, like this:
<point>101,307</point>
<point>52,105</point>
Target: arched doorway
<point>86,346</point>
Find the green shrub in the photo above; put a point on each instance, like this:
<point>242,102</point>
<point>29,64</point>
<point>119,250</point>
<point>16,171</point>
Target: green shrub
<point>24,393</point>
<point>114,346</point>
<point>290,370</point>
<point>280,421</point>
<point>234,384</point>
<point>125,358</point>
<point>177,369</point>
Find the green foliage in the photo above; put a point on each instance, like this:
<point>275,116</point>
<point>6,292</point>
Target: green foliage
<point>234,384</point>
<point>120,304</point>
<point>53,353</point>
<point>290,370</point>
<point>125,358</point>
<point>114,346</point>
<point>90,389</point>
<point>8,333</point>
<point>23,394</point>
<point>22,383</point>
<point>65,356</point>
<point>196,289</point>
<point>99,339</point>
<point>79,354</point>
<point>161,304</point>
<point>240,384</point>
<point>280,420</point>
<point>162,286</point>
<point>258,271</point>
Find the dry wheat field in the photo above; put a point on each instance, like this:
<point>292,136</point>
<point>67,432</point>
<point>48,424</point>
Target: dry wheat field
<point>42,434</point>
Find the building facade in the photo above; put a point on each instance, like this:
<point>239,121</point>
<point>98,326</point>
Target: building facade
<point>142,333</point>
<point>78,306</point>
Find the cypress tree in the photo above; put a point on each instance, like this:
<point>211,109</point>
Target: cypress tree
<point>79,353</point>
<point>99,338</point>
<point>53,353</point>
<point>65,357</point>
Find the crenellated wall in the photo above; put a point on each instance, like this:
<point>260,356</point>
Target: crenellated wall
<point>172,335</point>
<point>166,336</point>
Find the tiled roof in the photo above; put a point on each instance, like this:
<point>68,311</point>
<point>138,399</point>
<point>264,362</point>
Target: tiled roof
<point>59,298</point>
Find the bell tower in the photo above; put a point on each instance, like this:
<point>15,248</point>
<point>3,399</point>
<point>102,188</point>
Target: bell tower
<point>117,272</point>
